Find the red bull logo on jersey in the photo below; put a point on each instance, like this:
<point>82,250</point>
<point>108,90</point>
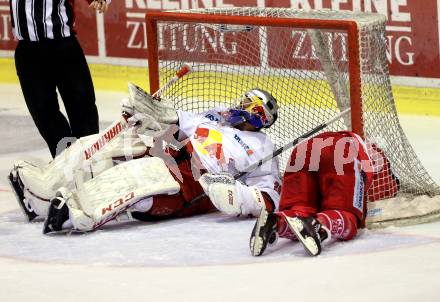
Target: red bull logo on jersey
<point>209,142</point>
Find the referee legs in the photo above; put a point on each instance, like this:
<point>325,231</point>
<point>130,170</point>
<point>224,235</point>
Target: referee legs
<point>76,89</point>
<point>41,67</point>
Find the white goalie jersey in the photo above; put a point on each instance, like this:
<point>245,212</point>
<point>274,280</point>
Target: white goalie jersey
<point>224,149</point>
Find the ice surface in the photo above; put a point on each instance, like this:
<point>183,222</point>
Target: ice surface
<point>203,258</point>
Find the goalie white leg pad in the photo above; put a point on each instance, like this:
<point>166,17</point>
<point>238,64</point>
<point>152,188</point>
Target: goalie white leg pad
<point>35,180</point>
<point>117,189</point>
<point>43,181</point>
<point>35,204</point>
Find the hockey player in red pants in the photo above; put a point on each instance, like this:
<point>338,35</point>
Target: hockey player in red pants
<point>324,192</point>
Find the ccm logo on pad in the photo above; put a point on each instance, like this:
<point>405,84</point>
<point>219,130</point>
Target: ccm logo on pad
<point>118,203</point>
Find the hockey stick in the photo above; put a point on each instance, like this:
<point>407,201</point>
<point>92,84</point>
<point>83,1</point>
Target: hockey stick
<point>277,152</point>
<point>289,145</point>
<point>184,70</point>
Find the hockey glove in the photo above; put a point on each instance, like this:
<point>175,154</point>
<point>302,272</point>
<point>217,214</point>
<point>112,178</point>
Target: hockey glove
<point>230,196</point>
<point>140,101</point>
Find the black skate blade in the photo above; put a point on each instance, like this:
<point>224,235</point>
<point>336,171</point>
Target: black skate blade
<point>18,192</point>
<point>257,241</point>
<point>263,233</point>
<point>56,217</point>
<point>48,231</point>
<point>297,226</point>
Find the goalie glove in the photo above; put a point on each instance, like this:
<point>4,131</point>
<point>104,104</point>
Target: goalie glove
<point>140,101</point>
<point>146,127</point>
<point>230,196</point>
<point>143,122</point>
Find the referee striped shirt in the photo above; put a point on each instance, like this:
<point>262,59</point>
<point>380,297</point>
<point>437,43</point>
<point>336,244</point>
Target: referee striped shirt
<point>34,20</point>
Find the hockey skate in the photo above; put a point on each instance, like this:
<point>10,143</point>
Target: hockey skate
<point>58,214</point>
<point>264,232</point>
<point>309,232</point>
<point>17,186</point>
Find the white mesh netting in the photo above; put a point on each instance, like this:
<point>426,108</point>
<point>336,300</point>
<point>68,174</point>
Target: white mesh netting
<point>306,71</point>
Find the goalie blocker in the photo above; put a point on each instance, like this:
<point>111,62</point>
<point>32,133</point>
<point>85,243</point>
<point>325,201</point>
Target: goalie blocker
<point>234,198</point>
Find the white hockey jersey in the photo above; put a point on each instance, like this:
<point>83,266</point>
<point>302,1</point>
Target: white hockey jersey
<point>221,148</point>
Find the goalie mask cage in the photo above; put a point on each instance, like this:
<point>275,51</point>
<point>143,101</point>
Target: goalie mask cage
<point>315,63</point>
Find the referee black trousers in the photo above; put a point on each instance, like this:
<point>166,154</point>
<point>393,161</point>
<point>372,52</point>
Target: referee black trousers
<point>46,65</point>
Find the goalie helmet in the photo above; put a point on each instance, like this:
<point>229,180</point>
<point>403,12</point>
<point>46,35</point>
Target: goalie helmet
<point>258,107</point>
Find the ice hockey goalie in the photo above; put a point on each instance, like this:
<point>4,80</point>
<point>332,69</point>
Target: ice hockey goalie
<point>157,166</point>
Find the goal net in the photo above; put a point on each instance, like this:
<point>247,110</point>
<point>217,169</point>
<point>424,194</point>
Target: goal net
<point>316,64</point>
